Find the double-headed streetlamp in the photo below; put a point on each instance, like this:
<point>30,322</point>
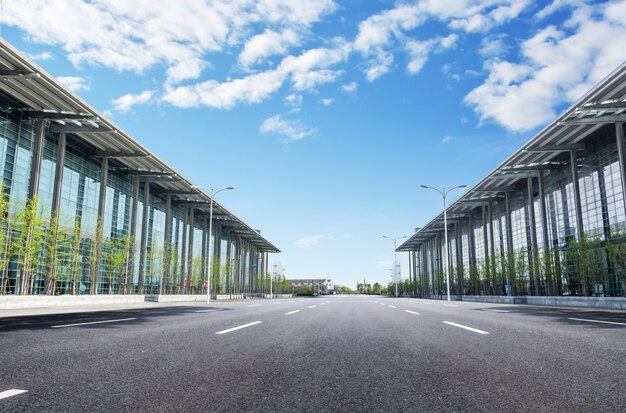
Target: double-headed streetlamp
<point>208,284</point>
<point>443,193</point>
<point>395,259</point>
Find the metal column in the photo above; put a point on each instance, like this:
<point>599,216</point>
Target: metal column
<point>167,241</point>
<point>621,152</point>
<point>35,170</point>
<point>486,244</point>
<point>58,176</point>
<point>190,247</point>
<point>143,247</point>
<point>577,206</point>
<point>533,237</point>
<point>133,231</point>
<point>183,252</point>
<point>509,242</point>
<point>100,223</point>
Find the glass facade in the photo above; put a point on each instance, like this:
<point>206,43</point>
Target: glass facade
<point>587,261</point>
<point>75,252</point>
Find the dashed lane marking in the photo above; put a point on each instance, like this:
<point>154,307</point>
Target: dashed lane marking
<point>495,311</point>
<point>13,392</point>
<point>239,327</point>
<point>209,311</point>
<point>450,305</point>
<point>312,306</point>
<point>475,330</point>
<point>597,321</point>
<point>255,305</point>
<point>392,306</point>
<point>292,312</point>
<point>94,322</point>
<point>412,312</point>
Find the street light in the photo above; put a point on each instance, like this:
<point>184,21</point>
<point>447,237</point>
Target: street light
<point>208,284</point>
<point>443,194</point>
<point>395,259</point>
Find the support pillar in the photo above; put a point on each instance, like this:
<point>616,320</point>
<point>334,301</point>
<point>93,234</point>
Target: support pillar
<point>492,241</point>
<point>533,237</point>
<point>58,175</point>
<point>133,234</point>
<point>459,257</point>
<point>621,152</point>
<point>509,243</point>
<point>183,253</point>
<point>143,247</point>
<point>167,242</point>
<point>577,206</point>
<point>190,251</point>
<point>487,260</point>
<point>35,170</point>
<point>100,223</point>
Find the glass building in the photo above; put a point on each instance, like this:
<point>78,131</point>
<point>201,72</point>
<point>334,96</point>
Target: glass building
<point>549,221</point>
<point>86,209</point>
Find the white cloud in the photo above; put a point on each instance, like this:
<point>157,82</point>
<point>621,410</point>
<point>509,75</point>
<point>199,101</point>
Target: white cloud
<point>350,87</point>
<point>446,139</point>
<point>327,101</point>
<point>250,89</point>
<point>267,44</point>
<point>420,50</point>
<point>558,67</point>
<point>493,46</point>
<point>293,130</point>
<point>293,100</point>
<point>378,33</point>
<point>311,241</point>
<point>74,83</point>
<point>41,56</point>
<point>137,35</point>
<point>126,102</point>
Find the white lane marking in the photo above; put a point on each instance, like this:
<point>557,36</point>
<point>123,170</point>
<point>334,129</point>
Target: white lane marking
<point>292,312</point>
<point>322,303</point>
<point>327,302</point>
<point>12,392</point>
<point>475,330</point>
<point>412,312</point>
<point>209,311</point>
<point>94,322</point>
<point>312,306</point>
<point>392,306</point>
<point>597,321</point>
<point>239,327</point>
<point>495,311</point>
<point>277,303</point>
<point>255,305</point>
<point>382,303</point>
<point>450,305</point>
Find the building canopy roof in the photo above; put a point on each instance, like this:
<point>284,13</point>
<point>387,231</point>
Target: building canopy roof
<point>602,105</point>
<point>22,80</point>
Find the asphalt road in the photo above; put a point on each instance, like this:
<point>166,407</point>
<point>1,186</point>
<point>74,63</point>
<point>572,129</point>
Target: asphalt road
<point>336,353</point>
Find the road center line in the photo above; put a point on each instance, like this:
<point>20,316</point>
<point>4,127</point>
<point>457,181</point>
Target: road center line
<point>495,311</point>
<point>392,306</point>
<point>597,321</point>
<point>255,305</point>
<point>475,330</point>
<point>239,327</point>
<point>312,306</point>
<point>94,322</point>
<point>292,312</point>
<point>412,312</point>
<point>12,392</point>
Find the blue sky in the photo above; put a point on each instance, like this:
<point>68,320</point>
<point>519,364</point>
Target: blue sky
<point>326,115</point>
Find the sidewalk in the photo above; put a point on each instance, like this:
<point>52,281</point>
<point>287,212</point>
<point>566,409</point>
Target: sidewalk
<point>25,312</point>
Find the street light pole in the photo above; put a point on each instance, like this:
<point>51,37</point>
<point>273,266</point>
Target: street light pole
<point>444,193</point>
<point>395,258</point>
<point>208,284</point>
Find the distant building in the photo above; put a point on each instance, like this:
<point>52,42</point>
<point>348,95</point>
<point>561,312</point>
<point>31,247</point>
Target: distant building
<point>324,283</point>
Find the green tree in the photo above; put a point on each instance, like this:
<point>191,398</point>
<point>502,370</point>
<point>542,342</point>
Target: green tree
<point>26,243</point>
<point>616,249</point>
